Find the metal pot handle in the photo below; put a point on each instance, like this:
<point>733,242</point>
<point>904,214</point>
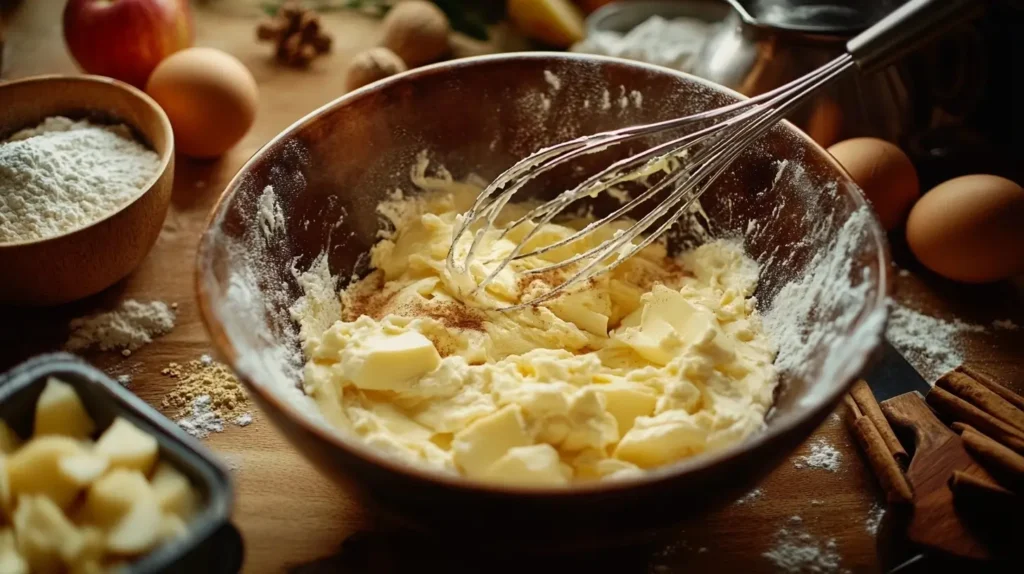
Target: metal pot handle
<point>905,29</point>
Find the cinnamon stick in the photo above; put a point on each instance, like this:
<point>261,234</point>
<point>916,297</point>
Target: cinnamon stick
<point>851,405</point>
<point>990,383</point>
<point>865,400</point>
<point>1004,464</point>
<point>960,410</point>
<point>885,467</point>
<point>1010,442</point>
<point>971,390</point>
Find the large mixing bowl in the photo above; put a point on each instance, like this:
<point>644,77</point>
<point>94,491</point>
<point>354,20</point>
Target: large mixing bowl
<point>823,283</point>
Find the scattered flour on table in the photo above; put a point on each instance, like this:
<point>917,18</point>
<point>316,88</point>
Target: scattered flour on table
<point>124,380</point>
<point>201,419</point>
<point>1005,325</point>
<point>874,520</point>
<point>823,456</point>
<point>933,346</point>
<point>749,497</point>
<point>63,175</point>
<point>130,326</point>
<point>796,550</point>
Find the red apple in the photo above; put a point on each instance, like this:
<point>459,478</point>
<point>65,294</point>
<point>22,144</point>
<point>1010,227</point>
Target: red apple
<point>126,39</point>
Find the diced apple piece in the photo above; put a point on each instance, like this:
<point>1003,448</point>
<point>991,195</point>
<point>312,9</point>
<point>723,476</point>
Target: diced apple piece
<point>171,527</point>
<point>83,469</point>
<point>138,530</point>
<point>128,447</point>
<point>34,469</point>
<point>173,491</point>
<point>112,496</point>
<point>46,538</point>
<point>5,488</point>
<point>59,411</point>
<point>94,544</point>
<point>9,440</point>
<point>89,567</point>
<point>11,561</point>
<point>393,360</point>
<point>478,446</point>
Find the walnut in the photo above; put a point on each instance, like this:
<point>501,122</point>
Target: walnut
<point>298,35</point>
<point>372,65</point>
<point>417,31</point>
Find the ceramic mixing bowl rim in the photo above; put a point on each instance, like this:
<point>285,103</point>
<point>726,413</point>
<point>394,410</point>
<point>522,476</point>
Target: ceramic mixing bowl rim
<point>165,157</point>
<point>661,475</point>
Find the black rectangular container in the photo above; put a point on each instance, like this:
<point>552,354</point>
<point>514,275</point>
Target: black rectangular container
<point>212,544</point>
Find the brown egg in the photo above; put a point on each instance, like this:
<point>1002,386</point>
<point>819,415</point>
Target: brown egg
<point>210,98</point>
<point>970,229</point>
<point>884,173</point>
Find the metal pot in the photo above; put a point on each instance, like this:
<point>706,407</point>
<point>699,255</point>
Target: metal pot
<point>762,44</point>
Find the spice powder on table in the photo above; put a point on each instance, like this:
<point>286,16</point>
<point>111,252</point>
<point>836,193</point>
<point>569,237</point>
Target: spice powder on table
<point>205,376</point>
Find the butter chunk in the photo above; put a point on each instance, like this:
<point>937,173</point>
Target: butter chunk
<point>391,361</point>
<point>46,538</point>
<point>534,465</point>
<point>59,411</point>
<point>140,529</point>
<point>661,439</point>
<point>173,491</point>
<point>9,441</point>
<point>626,403</point>
<point>664,325</point>
<point>11,561</point>
<point>112,496</point>
<point>128,447</point>
<point>481,444</point>
<point>34,469</point>
<point>585,309</point>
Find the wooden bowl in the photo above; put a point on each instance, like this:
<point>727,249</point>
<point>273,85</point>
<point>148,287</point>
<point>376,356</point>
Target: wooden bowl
<point>477,116</point>
<point>88,259</point>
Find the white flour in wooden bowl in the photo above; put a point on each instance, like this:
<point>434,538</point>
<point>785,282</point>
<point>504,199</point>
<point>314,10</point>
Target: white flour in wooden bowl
<point>63,175</point>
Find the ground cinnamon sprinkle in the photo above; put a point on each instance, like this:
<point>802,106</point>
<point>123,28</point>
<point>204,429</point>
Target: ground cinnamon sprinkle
<point>367,297</point>
<point>456,315</point>
<point>372,298</point>
<point>201,377</point>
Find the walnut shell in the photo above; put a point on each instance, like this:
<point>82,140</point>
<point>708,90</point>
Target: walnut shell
<point>372,65</point>
<point>417,31</point>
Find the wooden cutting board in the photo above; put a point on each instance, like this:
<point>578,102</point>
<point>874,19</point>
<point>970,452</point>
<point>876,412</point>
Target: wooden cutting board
<point>934,521</point>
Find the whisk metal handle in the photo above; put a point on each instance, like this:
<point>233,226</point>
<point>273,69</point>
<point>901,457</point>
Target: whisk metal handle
<point>906,28</point>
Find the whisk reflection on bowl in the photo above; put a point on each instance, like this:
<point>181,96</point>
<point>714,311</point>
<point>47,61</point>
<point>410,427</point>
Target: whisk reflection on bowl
<point>693,161</point>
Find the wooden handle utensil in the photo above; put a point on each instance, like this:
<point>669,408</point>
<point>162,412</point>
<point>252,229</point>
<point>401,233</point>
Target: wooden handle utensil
<point>938,452</point>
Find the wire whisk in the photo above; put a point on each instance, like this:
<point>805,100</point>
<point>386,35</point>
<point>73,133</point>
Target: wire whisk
<point>714,140</point>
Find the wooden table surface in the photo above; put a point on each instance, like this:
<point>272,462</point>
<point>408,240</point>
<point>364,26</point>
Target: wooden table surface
<point>295,520</point>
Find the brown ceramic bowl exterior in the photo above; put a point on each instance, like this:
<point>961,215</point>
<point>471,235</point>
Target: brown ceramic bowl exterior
<point>87,260</point>
<point>479,116</point>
